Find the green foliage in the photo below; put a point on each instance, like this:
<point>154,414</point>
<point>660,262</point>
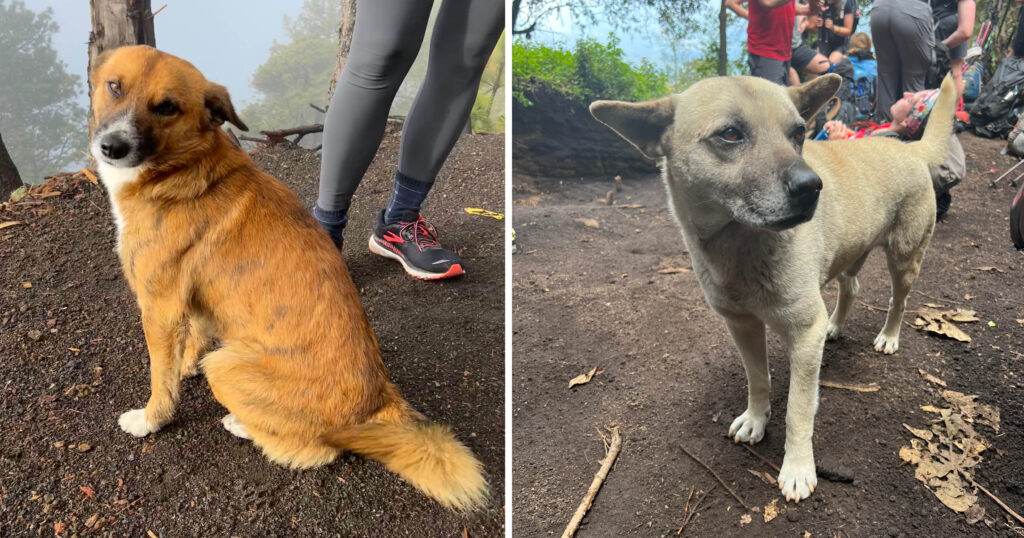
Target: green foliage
<point>43,126</point>
<point>591,71</point>
<point>704,66</point>
<point>488,114</point>
<point>296,73</point>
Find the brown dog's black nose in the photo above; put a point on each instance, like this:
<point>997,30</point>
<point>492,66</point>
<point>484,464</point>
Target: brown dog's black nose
<point>115,147</point>
<point>802,182</point>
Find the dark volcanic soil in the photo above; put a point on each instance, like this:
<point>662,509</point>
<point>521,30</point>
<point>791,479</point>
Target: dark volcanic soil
<point>65,464</point>
<point>587,297</point>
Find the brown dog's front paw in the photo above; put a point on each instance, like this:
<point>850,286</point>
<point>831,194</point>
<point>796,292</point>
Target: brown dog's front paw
<point>135,423</point>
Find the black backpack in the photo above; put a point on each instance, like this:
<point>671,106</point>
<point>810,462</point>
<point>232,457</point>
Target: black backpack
<point>992,115</point>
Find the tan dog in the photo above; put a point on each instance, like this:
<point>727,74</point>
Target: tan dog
<point>769,220</point>
<point>217,251</point>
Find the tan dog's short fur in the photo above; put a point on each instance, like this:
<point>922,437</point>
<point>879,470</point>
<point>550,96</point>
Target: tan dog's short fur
<point>234,278</point>
<point>769,220</point>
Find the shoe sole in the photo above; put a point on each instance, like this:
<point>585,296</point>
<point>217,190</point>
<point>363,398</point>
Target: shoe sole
<point>381,250</point>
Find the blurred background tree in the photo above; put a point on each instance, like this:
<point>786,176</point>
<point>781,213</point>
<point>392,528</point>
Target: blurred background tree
<point>43,125</point>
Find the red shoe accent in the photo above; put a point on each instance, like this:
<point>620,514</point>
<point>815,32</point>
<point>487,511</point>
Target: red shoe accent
<point>454,270</point>
<point>393,238</point>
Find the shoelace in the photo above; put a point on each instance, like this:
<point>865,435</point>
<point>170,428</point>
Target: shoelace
<point>423,233</point>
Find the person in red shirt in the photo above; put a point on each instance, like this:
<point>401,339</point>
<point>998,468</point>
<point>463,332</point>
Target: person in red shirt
<point>769,36</point>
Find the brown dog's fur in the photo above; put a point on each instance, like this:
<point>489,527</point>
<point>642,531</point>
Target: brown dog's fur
<point>233,277</point>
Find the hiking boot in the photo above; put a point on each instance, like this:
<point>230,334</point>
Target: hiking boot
<point>413,242</point>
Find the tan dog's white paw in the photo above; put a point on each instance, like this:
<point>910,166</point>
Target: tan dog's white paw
<point>236,428</point>
<point>832,332</point>
<point>886,344</point>
<point>749,427</point>
<point>797,479</point>
<point>135,423</point>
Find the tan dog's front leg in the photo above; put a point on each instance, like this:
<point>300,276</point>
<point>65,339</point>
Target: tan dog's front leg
<point>749,336</point>
<point>165,354</point>
<point>797,478</point>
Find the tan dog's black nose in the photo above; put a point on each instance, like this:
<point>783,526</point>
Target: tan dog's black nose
<point>802,182</point>
<point>115,147</point>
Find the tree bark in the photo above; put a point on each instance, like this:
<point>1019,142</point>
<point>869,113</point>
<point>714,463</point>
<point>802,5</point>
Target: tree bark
<point>723,53</point>
<point>116,23</point>
<point>345,27</point>
<point>10,179</point>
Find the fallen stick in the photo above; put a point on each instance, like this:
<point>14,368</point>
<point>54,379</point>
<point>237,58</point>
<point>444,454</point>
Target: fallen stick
<point>692,514</point>
<point>588,499</point>
<point>996,499</point>
<point>720,481</point>
<point>873,387</point>
<point>762,458</point>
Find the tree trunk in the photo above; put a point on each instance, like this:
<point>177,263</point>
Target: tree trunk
<point>10,179</point>
<point>345,28</point>
<point>723,54</point>
<point>116,23</point>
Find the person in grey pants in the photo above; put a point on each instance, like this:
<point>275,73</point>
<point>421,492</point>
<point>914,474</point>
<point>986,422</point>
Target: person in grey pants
<point>902,32</point>
<point>385,41</point>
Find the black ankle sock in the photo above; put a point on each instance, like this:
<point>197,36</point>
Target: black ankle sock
<point>407,196</point>
<point>333,222</point>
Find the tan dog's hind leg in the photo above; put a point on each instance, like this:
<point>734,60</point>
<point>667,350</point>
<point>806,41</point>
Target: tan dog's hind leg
<point>797,478</point>
<point>903,269</point>
<point>748,334</point>
<point>246,388</point>
<point>848,288</point>
<point>162,326</point>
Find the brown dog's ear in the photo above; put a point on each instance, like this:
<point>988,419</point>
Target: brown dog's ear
<point>218,103</point>
<point>810,96</point>
<point>642,124</point>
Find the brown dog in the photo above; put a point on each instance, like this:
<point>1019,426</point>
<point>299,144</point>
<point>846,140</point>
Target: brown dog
<point>217,251</point>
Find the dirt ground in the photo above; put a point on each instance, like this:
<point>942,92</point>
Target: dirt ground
<point>72,358</point>
<point>586,297</point>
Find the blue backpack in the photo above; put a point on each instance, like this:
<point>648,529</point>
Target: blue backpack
<point>865,72</point>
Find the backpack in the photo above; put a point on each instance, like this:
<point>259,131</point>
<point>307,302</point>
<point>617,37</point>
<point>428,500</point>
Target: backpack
<point>847,112</point>
<point>992,114</point>
<point>865,73</point>
<point>973,78</point>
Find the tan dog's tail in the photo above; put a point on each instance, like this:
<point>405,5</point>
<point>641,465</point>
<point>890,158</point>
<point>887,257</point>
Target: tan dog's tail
<point>426,455</point>
<point>934,143</point>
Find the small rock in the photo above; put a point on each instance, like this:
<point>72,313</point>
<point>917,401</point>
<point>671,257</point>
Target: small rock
<point>84,447</point>
<point>793,517</point>
<point>59,444</point>
<point>35,335</point>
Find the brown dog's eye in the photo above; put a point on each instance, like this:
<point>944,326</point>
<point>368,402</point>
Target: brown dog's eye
<point>115,88</point>
<point>166,108</point>
<point>731,135</point>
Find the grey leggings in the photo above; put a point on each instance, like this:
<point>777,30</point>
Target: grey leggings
<point>386,39</point>
<point>902,31</point>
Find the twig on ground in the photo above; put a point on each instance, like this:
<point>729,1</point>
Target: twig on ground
<point>762,458</point>
<point>588,499</point>
<point>690,515</point>
<point>936,298</point>
<point>996,499</point>
<point>720,481</point>
<point>871,387</point>
<point>318,109</point>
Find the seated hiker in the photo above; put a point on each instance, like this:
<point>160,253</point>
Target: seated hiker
<point>806,59</point>
<point>909,115</point>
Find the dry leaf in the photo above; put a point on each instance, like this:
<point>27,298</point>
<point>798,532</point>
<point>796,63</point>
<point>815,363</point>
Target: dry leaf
<point>980,413</point>
<point>589,223</point>
<point>10,223</point>
<point>745,519</point>
<point>91,522</point>
<point>765,477</point>
<point>26,285</point>
<point>870,387</point>
<point>952,494</point>
<point>935,321</point>
<point>771,511</point>
<point>90,176</point>
<point>933,409</point>
<point>974,514</point>
<point>582,378</point>
<point>923,434</point>
<point>932,378</point>
<point>89,493</point>
<point>910,455</point>
<point>1020,321</point>
<point>962,316</point>
<point>673,270</point>
<point>84,447</point>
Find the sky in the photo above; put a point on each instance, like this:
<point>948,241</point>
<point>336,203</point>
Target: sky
<point>226,39</point>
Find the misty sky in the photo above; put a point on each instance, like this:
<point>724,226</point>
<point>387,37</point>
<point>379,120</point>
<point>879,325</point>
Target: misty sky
<point>226,39</point>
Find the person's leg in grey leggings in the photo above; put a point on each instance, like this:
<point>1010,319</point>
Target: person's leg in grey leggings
<point>385,42</point>
<point>464,37</point>
<point>902,32</point>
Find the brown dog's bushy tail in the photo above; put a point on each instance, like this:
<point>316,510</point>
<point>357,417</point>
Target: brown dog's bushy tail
<point>934,143</point>
<point>426,455</point>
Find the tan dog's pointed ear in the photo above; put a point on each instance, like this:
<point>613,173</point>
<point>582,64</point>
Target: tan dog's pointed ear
<point>642,124</point>
<point>218,103</point>
<point>809,97</point>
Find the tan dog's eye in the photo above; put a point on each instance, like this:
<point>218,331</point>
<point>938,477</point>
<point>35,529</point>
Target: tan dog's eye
<point>115,88</point>
<point>731,135</point>
<point>166,108</point>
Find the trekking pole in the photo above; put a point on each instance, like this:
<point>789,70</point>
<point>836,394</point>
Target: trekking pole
<point>992,182</point>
